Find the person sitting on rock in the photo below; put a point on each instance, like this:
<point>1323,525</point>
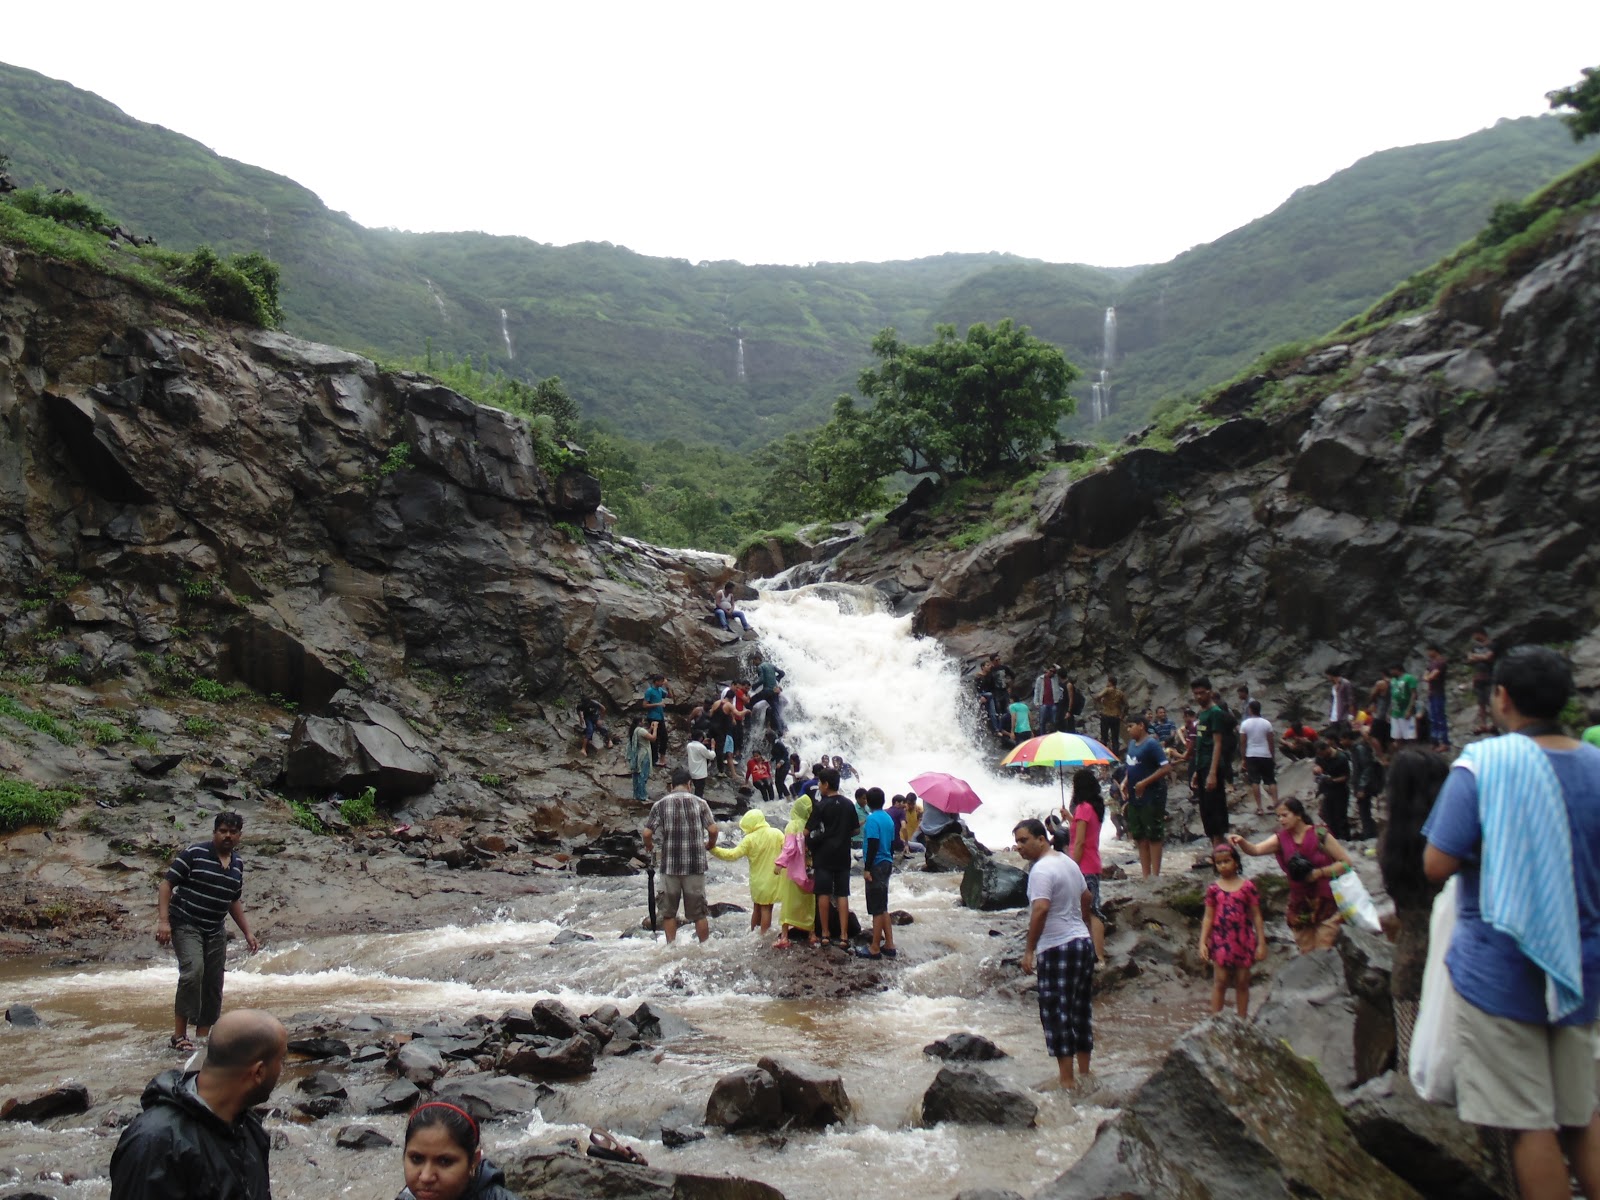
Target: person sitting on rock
<point>758,773</point>
<point>726,609</point>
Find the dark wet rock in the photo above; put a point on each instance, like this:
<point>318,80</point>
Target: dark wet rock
<point>22,1016</point>
<point>319,1047</point>
<point>748,1098</point>
<point>565,1060</point>
<point>554,1019</point>
<point>318,1107</point>
<point>607,1014</point>
<point>900,916</point>
<point>420,1062</point>
<point>602,1032</point>
<point>604,864</point>
<point>723,908</point>
<point>572,1176</point>
<point>488,1096</point>
<point>67,1100</point>
<point>953,849</point>
<point>367,1054</point>
<point>367,1023</point>
<point>1425,1144</point>
<point>154,766</point>
<point>812,1095</point>
<point>442,1029</point>
<point>971,1096</point>
<point>1312,1007</point>
<point>964,1047</point>
<point>399,1096</point>
<point>675,1136</point>
<point>360,1137</point>
<point>989,884</point>
<point>322,1083</point>
<point>568,936</point>
<point>1231,1114</point>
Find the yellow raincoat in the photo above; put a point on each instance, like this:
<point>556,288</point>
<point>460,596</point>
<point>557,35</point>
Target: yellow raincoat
<point>760,844</point>
<point>799,905</point>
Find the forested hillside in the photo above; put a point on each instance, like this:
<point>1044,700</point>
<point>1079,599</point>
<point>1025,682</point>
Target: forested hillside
<point>653,346</point>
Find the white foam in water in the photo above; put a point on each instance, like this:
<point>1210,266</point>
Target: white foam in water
<point>894,705</point>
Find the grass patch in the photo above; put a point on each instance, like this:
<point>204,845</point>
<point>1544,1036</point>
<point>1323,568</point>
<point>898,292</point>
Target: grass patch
<point>40,722</point>
<point>361,809</point>
<point>21,803</point>
<point>300,813</point>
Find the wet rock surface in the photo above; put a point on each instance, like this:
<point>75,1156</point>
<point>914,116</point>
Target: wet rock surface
<point>970,1095</point>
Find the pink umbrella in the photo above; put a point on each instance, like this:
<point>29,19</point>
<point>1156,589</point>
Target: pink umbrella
<point>946,793</point>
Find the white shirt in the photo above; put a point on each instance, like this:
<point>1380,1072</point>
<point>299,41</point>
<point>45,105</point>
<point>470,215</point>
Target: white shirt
<point>700,757</point>
<point>1056,878</point>
<point>1255,731</point>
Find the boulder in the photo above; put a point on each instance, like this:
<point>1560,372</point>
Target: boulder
<point>319,1047</point>
<point>22,1016</point>
<point>1312,1007</point>
<point>674,1137</point>
<point>563,1175</point>
<point>989,884</point>
<point>362,744</point>
<point>565,1060</point>
<point>1231,1114</point>
<point>812,1095</point>
<point>745,1099</point>
<point>67,1100</point>
<point>488,1096</point>
<point>323,1083</point>
<point>399,1096</point>
<point>419,1062</point>
<point>953,849</point>
<point>318,1107</point>
<point>970,1095</point>
<point>361,1137</point>
<point>1425,1144</point>
<point>964,1047</point>
<point>554,1019</point>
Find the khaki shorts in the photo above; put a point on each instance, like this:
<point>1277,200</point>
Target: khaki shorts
<point>691,889</point>
<point>1513,1075</point>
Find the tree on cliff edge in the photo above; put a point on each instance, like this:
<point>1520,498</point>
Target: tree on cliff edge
<point>963,405</point>
<point>1583,98</point>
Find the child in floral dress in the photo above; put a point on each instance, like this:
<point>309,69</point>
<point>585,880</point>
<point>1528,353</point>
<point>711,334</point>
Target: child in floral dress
<point>1232,936</point>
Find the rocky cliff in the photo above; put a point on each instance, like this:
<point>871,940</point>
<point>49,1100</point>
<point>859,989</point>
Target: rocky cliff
<point>215,539</point>
<point>1344,509</point>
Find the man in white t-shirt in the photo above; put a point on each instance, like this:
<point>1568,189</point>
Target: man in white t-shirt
<point>700,758</point>
<point>1059,949</point>
<point>1260,744</point>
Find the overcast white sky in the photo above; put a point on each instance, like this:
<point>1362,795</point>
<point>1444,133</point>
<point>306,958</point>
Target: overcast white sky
<point>1112,133</point>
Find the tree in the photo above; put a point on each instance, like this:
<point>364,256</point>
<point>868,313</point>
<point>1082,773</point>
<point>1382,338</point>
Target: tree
<point>961,405</point>
<point>829,474</point>
<point>1583,98</point>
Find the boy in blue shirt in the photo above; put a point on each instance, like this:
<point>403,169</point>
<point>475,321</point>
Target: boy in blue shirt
<point>877,860</point>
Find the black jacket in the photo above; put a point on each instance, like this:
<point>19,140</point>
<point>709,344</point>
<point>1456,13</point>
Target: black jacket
<point>177,1148</point>
<point>488,1184</point>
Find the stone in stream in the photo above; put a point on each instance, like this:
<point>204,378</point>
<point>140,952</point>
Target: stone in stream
<point>953,849</point>
<point>361,1137</point>
<point>724,908</point>
<point>572,1176</point>
<point>22,1016</point>
<point>568,936</point>
<point>1231,1114</point>
<point>607,1014</point>
<point>488,1096</point>
<point>399,1096</point>
<point>554,1019</point>
<point>748,1098</point>
<point>322,1083</point>
<point>419,1062</point>
<point>675,1136</point>
<point>969,1095</point>
<point>366,1054</point>
<point>990,885</point>
<point>565,1060</point>
<point>964,1047</point>
<point>66,1100</point>
<point>319,1047</point>
<point>1425,1144</point>
<point>366,1023</point>
<point>812,1095</point>
<point>318,1107</point>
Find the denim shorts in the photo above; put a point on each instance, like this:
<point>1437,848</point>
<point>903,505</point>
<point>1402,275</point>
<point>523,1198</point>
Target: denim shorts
<point>878,889</point>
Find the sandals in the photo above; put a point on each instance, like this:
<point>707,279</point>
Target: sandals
<point>181,1044</point>
<point>863,952</point>
<point>782,943</point>
<point>603,1146</point>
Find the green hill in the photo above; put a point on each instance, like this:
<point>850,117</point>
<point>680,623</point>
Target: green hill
<point>652,346</point>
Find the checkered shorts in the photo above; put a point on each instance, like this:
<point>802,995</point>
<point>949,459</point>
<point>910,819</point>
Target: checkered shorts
<point>1066,981</point>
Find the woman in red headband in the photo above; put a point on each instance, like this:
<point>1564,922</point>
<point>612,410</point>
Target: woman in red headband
<point>443,1159</point>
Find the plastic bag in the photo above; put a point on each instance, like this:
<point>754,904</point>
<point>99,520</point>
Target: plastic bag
<point>1355,905</point>
<point>1433,1062</point>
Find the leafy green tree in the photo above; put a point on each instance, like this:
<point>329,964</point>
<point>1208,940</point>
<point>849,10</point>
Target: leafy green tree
<point>1583,98</point>
<point>830,474</point>
<point>962,405</point>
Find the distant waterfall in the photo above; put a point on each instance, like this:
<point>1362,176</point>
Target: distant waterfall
<point>738,360</point>
<point>437,299</point>
<point>1100,392</point>
<point>505,332</point>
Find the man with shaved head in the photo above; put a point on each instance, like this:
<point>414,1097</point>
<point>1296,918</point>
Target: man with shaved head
<point>197,1138</point>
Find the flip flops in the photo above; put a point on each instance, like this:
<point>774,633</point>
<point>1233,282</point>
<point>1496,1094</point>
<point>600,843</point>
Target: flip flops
<point>603,1146</point>
<point>863,952</point>
<point>181,1044</point>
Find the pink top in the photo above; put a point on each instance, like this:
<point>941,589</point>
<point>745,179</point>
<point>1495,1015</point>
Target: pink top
<point>1089,864</point>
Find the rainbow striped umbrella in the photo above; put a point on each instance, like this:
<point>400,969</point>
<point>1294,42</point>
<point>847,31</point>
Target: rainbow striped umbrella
<point>1061,751</point>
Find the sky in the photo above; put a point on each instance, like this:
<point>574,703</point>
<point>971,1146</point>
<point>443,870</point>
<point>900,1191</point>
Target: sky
<point>781,132</point>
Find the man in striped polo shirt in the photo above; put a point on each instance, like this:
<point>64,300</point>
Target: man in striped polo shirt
<point>200,891</point>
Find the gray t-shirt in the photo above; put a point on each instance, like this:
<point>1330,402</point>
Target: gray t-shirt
<point>1056,878</point>
<point>1254,732</point>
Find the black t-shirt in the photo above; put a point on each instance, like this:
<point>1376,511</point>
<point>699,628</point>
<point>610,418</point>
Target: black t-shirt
<point>1335,764</point>
<point>833,823</point>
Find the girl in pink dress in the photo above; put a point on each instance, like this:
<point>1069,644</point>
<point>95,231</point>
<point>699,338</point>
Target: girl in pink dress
<point>1232,936</point>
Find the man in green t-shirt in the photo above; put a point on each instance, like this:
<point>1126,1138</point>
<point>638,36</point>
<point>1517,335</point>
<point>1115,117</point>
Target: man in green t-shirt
<point>1402,704</point>
<point>1212,768</point>
<point>1592,735</point>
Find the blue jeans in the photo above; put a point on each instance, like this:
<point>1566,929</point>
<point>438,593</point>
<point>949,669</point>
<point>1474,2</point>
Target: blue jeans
<point>1047,718</point>
<point>722,618</point>
<point>1438,725</point>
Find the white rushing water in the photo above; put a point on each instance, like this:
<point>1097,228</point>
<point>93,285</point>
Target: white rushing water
<point>863,686</point>
<point>505,332</point>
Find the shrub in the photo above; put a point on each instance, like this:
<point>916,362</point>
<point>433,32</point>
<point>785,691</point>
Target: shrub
<point>300,812</point>
<point>244,288</point>
<point>61,207</point>
<point>21,803</point>
<point>361,809</point>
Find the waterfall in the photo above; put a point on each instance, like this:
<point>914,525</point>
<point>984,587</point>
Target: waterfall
<point>738,360</point>
<point>863,686</point>
<point>1100,392</point>
<point>505,332</point>
<point>1108,347</point>
<point>437,299</point>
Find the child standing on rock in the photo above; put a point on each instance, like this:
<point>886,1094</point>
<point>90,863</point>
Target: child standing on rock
<point>1232,936</point>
